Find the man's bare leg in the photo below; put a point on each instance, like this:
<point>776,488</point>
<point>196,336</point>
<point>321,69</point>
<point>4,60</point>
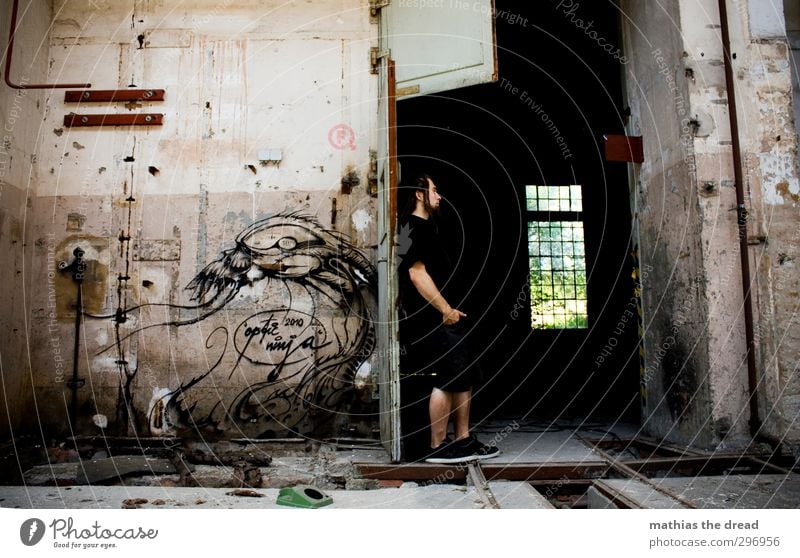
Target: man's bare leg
<point>439,408</point>
<point>461,402</point>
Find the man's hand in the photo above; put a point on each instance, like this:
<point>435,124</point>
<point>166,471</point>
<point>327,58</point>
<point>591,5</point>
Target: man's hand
<point>452,316</point>
<point>424,284</point>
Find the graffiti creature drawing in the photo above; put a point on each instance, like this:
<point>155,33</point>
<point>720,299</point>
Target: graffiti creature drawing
<point>296,361</point>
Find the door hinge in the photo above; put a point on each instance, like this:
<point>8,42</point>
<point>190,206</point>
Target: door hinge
<point>375,56</point>
<point>372,176</point>
<point>376,6</point>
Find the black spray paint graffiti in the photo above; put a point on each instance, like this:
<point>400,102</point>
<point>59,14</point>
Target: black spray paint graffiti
<point>307,365</point>
<point>304,361</point>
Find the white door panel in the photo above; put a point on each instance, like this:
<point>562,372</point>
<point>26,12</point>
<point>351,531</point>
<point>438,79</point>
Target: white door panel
<point>424,47</point>
<point>386,327</point>
<point>439,46</point>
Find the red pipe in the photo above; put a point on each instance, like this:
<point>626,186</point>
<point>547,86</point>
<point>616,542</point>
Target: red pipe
<point>756,423</point>
<point>12,30</point>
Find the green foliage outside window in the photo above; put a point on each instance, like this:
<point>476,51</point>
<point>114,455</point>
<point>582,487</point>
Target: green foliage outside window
<point>557,259</point>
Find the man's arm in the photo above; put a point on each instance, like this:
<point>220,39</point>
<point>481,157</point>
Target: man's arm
<point>427,289</point>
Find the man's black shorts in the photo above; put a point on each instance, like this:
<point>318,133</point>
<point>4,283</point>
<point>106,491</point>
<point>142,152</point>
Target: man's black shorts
<point>442,355</point>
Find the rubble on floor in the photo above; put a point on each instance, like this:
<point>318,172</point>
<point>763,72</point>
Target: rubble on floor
<point>407,496</point>
<point>566,468</point>
<point>226,464</point>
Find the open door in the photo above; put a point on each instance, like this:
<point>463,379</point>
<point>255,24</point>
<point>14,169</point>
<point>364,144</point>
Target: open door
<point>440,46</point>
<point>421,51</point>
<point>388,346</point>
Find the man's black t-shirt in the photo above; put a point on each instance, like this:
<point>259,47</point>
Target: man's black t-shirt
<point>431,347</point>
<point>420,242</point>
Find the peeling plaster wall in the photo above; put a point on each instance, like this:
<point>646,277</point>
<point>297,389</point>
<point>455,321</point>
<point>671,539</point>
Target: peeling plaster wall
<point>191,307</point>
<point>721,275</point>
<point>770,152</point>
<point>675,377</point>
<point>21,121</point>
<point>792,13</point>
<point>688,231</point>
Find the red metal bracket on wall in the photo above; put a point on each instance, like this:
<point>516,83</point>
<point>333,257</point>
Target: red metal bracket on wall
<point>86,120</point>
<point>624,148</point>
<point>113,95</point>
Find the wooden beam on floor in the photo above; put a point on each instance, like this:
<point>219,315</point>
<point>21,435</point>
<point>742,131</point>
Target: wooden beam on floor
<point>547,471</point>
<point>492,471</point>
<point>696,464</point>
<point>627,470</point>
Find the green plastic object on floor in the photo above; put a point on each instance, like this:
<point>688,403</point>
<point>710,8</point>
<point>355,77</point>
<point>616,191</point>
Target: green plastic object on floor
<point>303,496</point>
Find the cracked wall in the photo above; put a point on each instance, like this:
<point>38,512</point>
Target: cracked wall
<point>223,292</point>
<point>210,271</point>
<point>696,377</point>
<point>773,180</point>
<point>22,112</point>
<point>675,378</point>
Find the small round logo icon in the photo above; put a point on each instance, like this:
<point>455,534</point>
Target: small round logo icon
<point>32,531</point>
<point>342,136</point>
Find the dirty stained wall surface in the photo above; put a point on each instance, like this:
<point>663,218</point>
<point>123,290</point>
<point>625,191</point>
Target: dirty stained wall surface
<point>771,160</point>
<point>695,379</point>
<point>223,293</point>
<point>22,113</point>
<point>231,296</point>
<point>674,381</point>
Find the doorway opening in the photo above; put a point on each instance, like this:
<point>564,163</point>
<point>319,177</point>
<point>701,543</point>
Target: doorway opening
<point>538,224</point>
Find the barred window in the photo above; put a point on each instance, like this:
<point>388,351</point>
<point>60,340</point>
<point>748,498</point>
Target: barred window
<point>557,257</point>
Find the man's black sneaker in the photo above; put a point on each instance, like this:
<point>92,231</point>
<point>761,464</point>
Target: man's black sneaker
<point>450,452</point>
<point>437,451</point>
<point>472,446</point>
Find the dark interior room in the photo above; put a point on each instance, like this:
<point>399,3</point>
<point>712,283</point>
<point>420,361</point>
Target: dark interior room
<point>540,124</point>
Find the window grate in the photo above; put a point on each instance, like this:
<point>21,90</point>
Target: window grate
<point>557,257</point>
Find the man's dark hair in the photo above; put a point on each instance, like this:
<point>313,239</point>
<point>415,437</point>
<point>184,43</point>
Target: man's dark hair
<point>410,192</point>
<point>422,182</point>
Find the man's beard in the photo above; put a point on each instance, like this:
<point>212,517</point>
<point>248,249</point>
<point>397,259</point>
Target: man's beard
<point>431,210</point>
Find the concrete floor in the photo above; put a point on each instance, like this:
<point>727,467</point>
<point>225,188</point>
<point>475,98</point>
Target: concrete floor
<point>722,492</point>
<point>738,491</point>
<point>535,447</point>
<point>333,471</point>
<point>530,444</point>
<point>510,495</point>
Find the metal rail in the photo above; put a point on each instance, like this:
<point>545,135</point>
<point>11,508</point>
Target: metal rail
<point>627,471</point>
<point>482,485</point>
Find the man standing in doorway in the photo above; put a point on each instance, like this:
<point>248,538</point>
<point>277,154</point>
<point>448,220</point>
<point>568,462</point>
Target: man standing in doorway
<point>432,331</point>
